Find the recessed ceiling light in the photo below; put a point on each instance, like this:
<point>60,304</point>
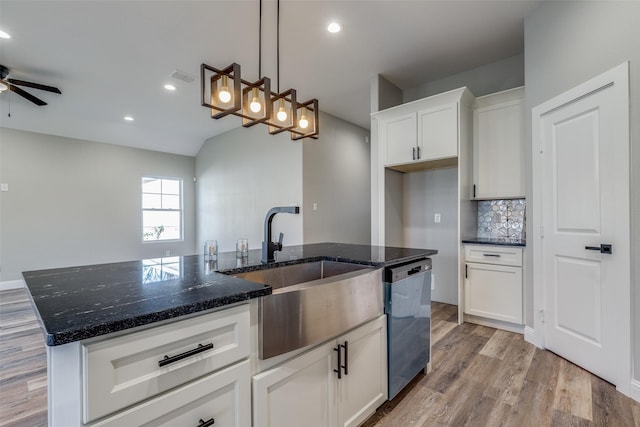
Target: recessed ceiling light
<point>4,35</point>
<point>128,118</point>
<point>170,87</point>
<point>334,27</point>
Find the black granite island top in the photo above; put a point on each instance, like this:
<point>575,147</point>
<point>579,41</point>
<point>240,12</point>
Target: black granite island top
<point>77,303</point>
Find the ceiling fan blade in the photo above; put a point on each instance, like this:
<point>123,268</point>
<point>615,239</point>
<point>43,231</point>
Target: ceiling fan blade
<point>27,95</point>
<point>34,85</point>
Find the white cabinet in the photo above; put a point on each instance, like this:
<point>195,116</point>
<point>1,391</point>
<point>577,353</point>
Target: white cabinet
<point>421,131</point>
<point>220,399</point>
<point>402,131</point>
<point>308,390</point>
<point>498,145</point>
<point>493,282</point>
<point>172,374</point>
<point>438,132</point>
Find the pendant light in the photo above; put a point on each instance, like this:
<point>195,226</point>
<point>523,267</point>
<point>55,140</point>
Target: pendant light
<point>227,93</point>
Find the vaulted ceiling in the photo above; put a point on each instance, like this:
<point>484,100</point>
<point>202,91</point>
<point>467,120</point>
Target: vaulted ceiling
<point>112,58</point>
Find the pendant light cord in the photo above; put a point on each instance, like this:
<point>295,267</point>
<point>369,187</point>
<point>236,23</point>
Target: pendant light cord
<point>278,46</point>
<point>260,44</point>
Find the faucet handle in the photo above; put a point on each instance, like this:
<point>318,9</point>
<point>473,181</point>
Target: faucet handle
<point>279,244</point>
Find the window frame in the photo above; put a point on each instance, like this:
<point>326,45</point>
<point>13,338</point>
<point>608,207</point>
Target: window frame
<point>180,210</point>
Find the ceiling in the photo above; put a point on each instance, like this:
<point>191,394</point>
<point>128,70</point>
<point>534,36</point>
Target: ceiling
<point>112,58</point>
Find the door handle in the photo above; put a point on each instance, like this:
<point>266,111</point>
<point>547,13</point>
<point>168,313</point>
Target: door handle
<point>603,248</point>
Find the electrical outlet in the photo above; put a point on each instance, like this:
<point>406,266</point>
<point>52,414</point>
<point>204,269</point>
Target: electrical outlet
<point>4,187</point>
<point>436,218</point>
<point>168,252</point>
<point>315,206</point>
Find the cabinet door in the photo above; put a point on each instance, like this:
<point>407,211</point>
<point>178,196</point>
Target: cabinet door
<point>399,137</point>
<point>498,150</point>
<point>298,393</point>
<point>224,397</point>
<point>438,132</point>
<point>363,386</point>
<point>494,292</point>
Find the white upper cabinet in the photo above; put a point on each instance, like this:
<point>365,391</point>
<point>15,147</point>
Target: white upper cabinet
<point>498,145</point>
<point>401,130</point>
<point>423,133</point>
<point>438,132</point>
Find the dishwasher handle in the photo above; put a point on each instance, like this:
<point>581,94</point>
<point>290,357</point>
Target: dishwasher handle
<point>399,272</point>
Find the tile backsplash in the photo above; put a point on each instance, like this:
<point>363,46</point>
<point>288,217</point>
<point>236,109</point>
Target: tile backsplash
<point>502,218</point>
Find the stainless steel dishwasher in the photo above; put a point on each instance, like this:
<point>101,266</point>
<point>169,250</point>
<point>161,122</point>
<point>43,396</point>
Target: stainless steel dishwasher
<point>407,303</point>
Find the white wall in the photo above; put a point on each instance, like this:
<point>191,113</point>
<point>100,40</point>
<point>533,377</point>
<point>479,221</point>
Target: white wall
<point>73,202</point>
<point>489,78</point>
<point>425,194</point>
<point>567,43</point>
<point>336,176</point>
<point>241,174</point>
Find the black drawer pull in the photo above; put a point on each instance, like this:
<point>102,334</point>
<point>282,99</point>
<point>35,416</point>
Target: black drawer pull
<point>346,357</point>
<point>492,255</point>
<point>207,423</point>
<point>167,360</point>
<point>339,370</point>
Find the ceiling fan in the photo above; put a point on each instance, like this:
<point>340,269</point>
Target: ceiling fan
<point>12,85</point>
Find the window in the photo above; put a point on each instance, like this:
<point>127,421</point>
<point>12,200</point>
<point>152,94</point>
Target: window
<point>161,209</point>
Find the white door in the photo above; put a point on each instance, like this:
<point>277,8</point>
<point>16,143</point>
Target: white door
<point>583,138</point>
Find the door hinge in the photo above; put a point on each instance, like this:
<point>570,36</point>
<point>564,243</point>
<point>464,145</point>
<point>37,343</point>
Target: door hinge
<point>541,231</point>
<point>541,316</point>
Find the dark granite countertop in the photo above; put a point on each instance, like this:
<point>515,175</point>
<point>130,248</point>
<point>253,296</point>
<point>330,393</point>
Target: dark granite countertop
<point>500,241</point>
<point>77,303</point>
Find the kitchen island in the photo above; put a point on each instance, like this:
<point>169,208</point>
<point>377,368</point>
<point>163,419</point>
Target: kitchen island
<point>137,342</point>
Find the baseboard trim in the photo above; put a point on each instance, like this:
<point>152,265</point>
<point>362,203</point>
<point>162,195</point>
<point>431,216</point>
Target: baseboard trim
<point>511,327</point>
<point>634,392</point>
<point>12,284</point>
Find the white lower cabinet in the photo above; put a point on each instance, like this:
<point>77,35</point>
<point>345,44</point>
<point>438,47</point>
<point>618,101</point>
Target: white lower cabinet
<point>493,283</point>
<point>309,391</point>
<point>220,399</point>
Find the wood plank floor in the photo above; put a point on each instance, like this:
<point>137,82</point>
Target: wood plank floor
<point>480,377</point>
<point>487,377</point>
<point>23,363</point>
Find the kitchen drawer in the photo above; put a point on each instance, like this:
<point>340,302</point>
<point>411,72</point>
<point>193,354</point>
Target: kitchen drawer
<point>224,397</point>
<point>489,254</point>
<point>122,371</point>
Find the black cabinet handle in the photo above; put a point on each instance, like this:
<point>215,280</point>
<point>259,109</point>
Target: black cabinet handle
<point>346,357</point>
<point>474,191</point>
<point>466,271</point>
<point>167,360</point>
<point>339,370</point>
<point>492,255</point>
<point>418,152</point>
<point>414,153</point>
<point>207,423</point>
<point>603,248</point>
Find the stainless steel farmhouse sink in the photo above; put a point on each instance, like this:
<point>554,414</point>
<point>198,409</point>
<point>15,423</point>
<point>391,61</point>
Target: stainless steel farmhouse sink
<point>313,302</point>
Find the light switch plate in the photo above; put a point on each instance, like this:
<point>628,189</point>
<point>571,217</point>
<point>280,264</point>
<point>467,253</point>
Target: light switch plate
<point>436,218</point>
<point>4,187</point>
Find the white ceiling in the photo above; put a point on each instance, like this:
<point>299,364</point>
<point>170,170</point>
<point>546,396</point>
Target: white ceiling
<point>112,58</point>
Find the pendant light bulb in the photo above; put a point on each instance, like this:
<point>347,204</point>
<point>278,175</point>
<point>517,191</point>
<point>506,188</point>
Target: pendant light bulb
<point>255,104</point>
<point>282,113</point>
<point>304,121</point>
<point>224,95</point>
